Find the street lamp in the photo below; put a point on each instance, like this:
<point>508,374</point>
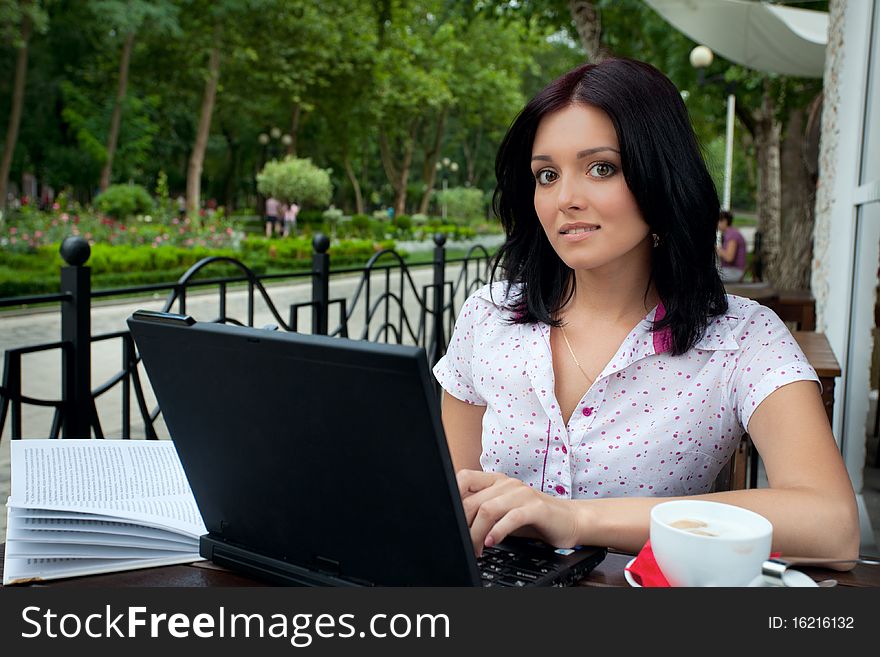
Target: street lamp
<point>701,58</point>
<point>269,141</point>
<point>443,166</point>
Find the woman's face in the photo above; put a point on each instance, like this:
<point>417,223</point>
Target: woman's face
<point>581,198</point>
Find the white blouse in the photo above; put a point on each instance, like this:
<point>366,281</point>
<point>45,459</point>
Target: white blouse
<point>651,423</point>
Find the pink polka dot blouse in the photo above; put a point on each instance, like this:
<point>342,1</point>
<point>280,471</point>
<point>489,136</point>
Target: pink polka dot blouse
<point>652,424</point>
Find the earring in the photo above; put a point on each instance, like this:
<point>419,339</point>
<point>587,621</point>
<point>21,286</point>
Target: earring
<point>656,239</point>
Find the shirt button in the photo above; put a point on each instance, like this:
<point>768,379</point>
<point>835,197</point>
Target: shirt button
<point>560,490</point>
<point>588,411</point>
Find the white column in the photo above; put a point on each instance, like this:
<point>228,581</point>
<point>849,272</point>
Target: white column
<point>728,153</point>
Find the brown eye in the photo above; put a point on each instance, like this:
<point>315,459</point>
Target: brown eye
<point>602,170</point>
<point>545,176</point>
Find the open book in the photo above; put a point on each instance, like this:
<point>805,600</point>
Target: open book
<point>81,507</point>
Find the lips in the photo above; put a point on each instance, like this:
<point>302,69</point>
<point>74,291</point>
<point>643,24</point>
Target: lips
<point>578,229</point>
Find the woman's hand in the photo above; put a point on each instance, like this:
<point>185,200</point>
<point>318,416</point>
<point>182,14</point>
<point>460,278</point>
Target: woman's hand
<point>497,506</point>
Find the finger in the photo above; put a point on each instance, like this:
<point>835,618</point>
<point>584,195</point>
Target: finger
<point>520,520</point>
<point>473,481</point>
<point>472,503</point>
<point>552,521</point>
<point>491,511</point>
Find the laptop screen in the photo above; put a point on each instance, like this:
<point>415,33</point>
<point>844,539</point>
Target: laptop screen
<point>325,453</point>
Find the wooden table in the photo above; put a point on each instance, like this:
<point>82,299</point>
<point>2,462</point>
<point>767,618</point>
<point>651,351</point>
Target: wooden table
<point>204,574</point>
<point>797,308</point>
<point>762,292</point>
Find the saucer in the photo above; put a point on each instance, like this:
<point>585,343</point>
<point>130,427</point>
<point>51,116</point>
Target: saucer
<point>791,578</point>
<point>629,578</point>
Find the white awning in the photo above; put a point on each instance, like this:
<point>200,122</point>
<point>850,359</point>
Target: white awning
<point>758,35</point>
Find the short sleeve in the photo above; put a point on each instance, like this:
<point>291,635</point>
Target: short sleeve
<point>454,371</point>
<point>769,358</point>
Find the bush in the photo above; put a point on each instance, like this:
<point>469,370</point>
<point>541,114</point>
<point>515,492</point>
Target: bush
<point>295,180</point>
<point>462,203</point>
<point>124,201</point>
<point>332,215</point>
<point>306,217</point>
<point>360,222</point>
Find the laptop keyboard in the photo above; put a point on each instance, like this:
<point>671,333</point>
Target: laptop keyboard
<point>499,567</point>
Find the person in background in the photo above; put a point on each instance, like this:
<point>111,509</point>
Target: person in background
<point>732,250</point>
<point>273,209</point>
<point>606,370</point>
<point>290,212</point>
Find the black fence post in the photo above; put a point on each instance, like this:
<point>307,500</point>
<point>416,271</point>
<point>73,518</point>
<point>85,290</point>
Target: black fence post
<point>76,373</point>
<point>439,341</point>
<point>320,284</point>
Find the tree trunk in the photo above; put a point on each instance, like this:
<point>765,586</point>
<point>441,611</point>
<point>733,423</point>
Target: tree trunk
<point>233,148</point>
<point>294,128</point>
<point>196,160</point>
<point>767,139</point>
<point>798,204</point>
<point>398,176</point>
<point>352,177</point>
<point>470,156</point>
<point>429,168</point>
<point>15,111</point>
<point>113,136</point>
<point>588,23</point>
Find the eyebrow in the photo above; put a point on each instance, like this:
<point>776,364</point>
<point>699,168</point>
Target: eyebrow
<point>580,154</point>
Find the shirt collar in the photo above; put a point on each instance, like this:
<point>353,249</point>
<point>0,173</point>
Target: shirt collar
<point>717,337</point>
<point>642,341</point>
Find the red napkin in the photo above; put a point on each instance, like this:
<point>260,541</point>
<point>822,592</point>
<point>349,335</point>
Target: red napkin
<point>644,569</point>
<point>646,572</point>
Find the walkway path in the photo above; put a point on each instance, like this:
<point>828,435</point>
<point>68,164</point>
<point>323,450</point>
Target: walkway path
<point>42,371</point>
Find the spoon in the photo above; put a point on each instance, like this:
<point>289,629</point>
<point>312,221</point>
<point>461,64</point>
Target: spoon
<point>827,582</point>
<point>792,561</point>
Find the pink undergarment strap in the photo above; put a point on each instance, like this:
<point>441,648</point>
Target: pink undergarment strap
<point>663,337</point>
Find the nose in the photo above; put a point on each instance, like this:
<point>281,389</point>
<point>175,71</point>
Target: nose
<point>570,194</point>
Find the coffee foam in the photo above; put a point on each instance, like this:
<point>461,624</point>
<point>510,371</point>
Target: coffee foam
<point>711,528</point>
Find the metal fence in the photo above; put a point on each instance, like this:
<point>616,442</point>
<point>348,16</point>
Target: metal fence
<point>388,302</point>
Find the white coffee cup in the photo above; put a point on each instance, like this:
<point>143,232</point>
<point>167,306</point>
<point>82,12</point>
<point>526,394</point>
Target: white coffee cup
<point>702,543</point>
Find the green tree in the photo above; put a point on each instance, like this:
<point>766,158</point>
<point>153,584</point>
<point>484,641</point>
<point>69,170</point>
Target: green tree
<point>487,65</point>
<point>413,70</point>
<point>126,18</point>
<point>19,19</point>
<point>215,27</point>
<point>295,180</point>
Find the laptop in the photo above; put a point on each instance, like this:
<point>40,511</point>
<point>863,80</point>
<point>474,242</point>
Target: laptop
<point>322,461</point>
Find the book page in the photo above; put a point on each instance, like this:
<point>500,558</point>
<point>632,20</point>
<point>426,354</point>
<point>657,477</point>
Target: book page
<point>38,520</point>
<point>32,550</point>
<point>21,532</point>
<point>140,480</point>
<point>28,571</point>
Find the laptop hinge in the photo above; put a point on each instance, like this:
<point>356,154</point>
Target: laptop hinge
<point>280,572</point>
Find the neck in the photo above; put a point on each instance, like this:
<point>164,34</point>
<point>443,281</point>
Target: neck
<point>614,294</point>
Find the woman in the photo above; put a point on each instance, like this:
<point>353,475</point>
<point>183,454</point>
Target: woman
<point>608,371</point>
<point>732,250</point>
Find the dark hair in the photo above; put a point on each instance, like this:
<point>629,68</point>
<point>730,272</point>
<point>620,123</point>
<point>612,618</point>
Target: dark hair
<point>726,215</point>
<point>665,172</point>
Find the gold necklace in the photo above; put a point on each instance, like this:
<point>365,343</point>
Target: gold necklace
<point>571,351</point>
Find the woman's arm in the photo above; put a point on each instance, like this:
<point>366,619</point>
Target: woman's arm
<point>810,501</point>
<point>728,252</point>
<point>463,425</point>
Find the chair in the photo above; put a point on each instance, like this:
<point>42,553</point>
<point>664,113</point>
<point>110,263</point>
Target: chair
<point>796,308</point>
<point>736,474</point>
<point>756,266</point>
